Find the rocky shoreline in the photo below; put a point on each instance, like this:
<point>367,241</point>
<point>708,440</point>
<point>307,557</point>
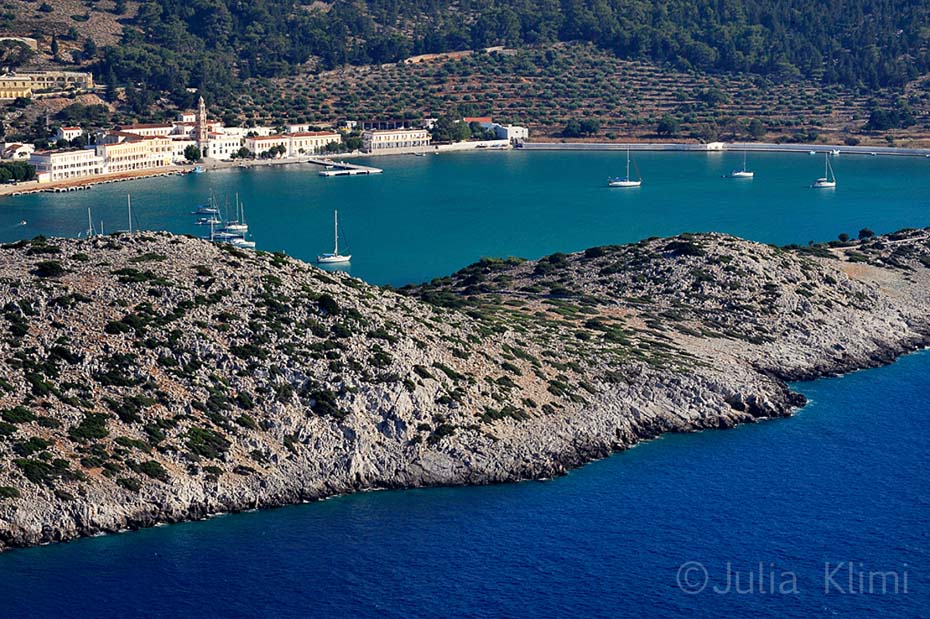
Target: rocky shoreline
<point>153,378</point>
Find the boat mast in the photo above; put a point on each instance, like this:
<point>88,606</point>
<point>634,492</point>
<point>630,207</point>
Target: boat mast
<point>627,163</point>
<point>90,224</point>
<point>336,232</point>
<point>744,161</point>
<point>129,206</point>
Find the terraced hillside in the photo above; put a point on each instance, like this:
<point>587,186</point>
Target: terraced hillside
<point>154,378</point>
<point>98,20</point>
<point>545,87</point>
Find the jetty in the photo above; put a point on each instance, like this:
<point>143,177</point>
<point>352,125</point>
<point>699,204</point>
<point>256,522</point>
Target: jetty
<point>342,168</point>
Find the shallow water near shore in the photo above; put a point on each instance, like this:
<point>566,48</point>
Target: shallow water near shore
<point>846,482</point>
<point>429,216</point>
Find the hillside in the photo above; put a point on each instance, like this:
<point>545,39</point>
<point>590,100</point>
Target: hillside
<point>860,43</point>
<point>546,87</point>
<point>98,20</point>
<point>154,378</point>
<point>790,70</point>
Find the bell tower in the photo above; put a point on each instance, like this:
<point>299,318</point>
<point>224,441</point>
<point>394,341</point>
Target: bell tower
<point>201,128</point>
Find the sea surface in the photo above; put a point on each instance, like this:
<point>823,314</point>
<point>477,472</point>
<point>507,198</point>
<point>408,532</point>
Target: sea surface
<point>428,216</point>
<point>825,514</point>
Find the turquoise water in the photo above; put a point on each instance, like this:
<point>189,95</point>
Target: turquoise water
<point>846,481</point>
<point>427,216</point>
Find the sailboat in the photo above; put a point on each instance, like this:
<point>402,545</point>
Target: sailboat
<point>335,257</point>
<point>206,209</point>
<point>828,180</point>
<point>129,209</point>
<point>744,173</point>
<point>209,208</point>
<point>238,224</point>
<point>627,181</point>
<point>90,232</point>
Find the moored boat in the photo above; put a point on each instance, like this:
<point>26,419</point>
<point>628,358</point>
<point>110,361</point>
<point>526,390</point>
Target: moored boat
<point>627,181</point>
<point>828,180</point>
<point>335,257</point>
<point>744,172</point>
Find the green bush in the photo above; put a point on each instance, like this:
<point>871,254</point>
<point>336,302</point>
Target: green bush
<point>341,330</point>
<point>129,483</point>
<point>17,414</point>
<point>247,421</point>
<point>34,445</point>
<point>328,304</point>
<point>8,492</point>
<point>39,472</point>
<point>154,470</point>
<point>93,426</point>
<point>325,404</point>
<point>207,443</point>
<point>49,268</point>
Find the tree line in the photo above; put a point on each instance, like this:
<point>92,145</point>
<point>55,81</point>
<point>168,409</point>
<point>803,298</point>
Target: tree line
<point>173,45</point>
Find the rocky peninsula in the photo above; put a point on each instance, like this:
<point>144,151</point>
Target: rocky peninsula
<point>156,378</point>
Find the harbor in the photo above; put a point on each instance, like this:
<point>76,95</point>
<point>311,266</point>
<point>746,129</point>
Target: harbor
<point>520,203</point>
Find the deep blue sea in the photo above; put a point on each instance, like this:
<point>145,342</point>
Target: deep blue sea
<point>768,520</point>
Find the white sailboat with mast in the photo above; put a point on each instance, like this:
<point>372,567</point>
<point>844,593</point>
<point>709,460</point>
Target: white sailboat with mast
<point>129,211</point>
<point>335,257</point>
<point>744,173</point>
<point>828,180</point>
<point>90,232</point>
<point>238,224</point>
<point>626,181</point>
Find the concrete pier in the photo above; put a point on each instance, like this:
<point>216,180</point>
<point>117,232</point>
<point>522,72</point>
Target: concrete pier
<point>341,168</point>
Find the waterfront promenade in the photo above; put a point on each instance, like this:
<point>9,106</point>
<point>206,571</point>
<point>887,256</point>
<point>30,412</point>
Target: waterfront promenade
<point>73,184</point>
<point>768,147</point>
